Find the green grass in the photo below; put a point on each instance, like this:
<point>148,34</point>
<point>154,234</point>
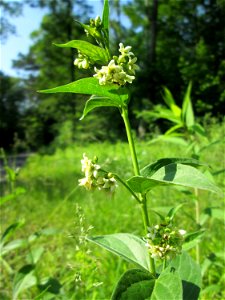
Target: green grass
<point>53,200</point>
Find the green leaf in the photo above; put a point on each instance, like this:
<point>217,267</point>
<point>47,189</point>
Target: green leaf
<point>164,113</point>
<point>211,145</point>
<point>169,139</point>
<point>17,192</point>
<point>12,246</point>
<point>35,254</point>
<point>91,86</point>
<point>95,53</point>
<point>187,110</point>
<point>211,212</point>
<point>134,284</point>
<point>173,129</point>
<point>23,280</point>
<point>172,212</point>
<point>190,274</point>
<point>168,286</point>
<point>51,285</point>
<point>192,239</point>
<point>105,15</point>
<point>127,246</point>
<point>173,174</point>
<point>197,128</point>
<point>169,100</point>
<point>11,229</point>
<point>150,169</point>
<point>96,101</point>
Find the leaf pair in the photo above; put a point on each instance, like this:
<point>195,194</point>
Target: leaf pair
<point>171,171</point>
<point>183,283</point>
<point>104,95</point>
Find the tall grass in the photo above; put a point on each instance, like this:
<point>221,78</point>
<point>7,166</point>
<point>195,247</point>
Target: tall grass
<point>53,200</point>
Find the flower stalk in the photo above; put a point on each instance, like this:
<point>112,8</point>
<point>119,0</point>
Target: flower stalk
<point>142,198</point>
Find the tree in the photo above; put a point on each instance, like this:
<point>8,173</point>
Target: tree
<point>8,9</point>
<point>11,110</point>
<point>179,41</point>
<point>49,65</point>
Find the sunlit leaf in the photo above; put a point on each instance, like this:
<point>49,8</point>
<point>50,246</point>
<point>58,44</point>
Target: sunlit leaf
<point>127,246</point>
<point>35,254</point>
<point>173,174</point>
<point>95,53</point>
<point>105,15</point>
<point>15,244</point>
<point>187,110</point>
<point>17,192</point>
<point>168,284</point>
<point>190,274</point>
<point>169,100</point>
<point>11,229</point>
<point>91,86</point>
<point>150,169</point>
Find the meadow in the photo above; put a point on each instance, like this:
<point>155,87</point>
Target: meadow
<point>47,256</point>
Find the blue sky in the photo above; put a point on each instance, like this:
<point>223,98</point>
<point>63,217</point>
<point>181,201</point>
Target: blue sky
<point>25,24</point>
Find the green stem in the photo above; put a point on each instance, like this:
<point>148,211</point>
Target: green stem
<point>146,225</point>
<point>164,264</point>
<point>127,187</point>
<point>142,198</point>
<point>197,219</point>
<point>130,140</point>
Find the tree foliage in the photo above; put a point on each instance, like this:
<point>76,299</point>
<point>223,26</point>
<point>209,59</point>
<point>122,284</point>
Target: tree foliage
<point>11,109</point>
<point>8,9</point>
<point>175,41</point>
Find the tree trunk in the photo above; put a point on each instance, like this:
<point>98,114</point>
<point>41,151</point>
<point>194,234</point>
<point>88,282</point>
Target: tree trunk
<point>153,30</point>
<point>152,14</point>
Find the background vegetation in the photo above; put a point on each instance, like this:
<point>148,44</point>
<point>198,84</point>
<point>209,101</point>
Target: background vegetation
<point>43,213</point>
<point>175,42</point>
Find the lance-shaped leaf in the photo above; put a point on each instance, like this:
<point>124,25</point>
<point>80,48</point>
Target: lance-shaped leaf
<point>169,100</point>
<point>91,86</point>
<point>95,102</point>
<point>105,15</point>
<point>172,212</point>
<point>95,53</point>
<point>127,246</point>
<point>134,284</point>
<point>150,169</point>
<point>173,174</point>
<point>192,239</point>
<point>187,110</point>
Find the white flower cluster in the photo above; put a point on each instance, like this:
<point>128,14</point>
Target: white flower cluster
<point>93,178</point>
<point>120,70</point>
<point>164,241</point>
<point>82,61</point>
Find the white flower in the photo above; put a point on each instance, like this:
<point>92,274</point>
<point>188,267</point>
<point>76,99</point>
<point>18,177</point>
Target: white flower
<point>110,183</point>
<point>86,182</point>
<point>132,66</point>
<point>82,61</point>
<point>125,51</point>
<point>182,232</point>
<point>86,166</point>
